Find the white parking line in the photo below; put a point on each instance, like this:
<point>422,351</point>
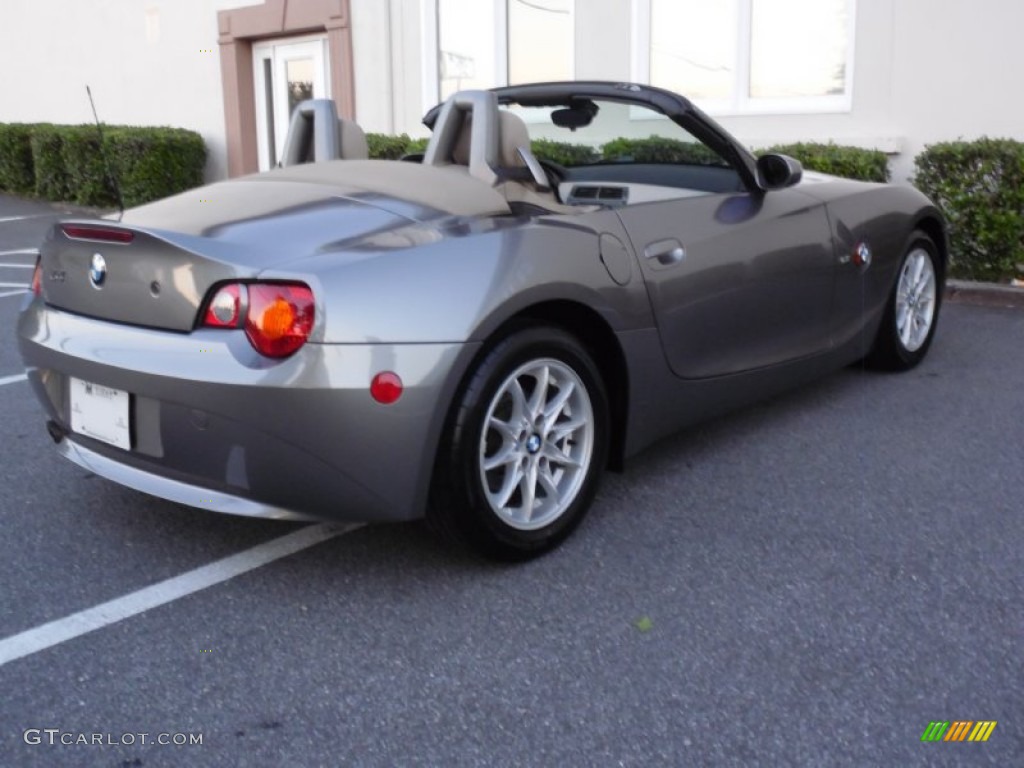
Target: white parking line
<point>31,216</point>
<point>55,632</point>
<point>18,266</point>
<point>13,285</point>
<point>13,293</point>
<point>13,379</point>
<point>21,252</point>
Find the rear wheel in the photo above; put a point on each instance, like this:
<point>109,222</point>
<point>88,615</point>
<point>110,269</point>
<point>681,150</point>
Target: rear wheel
<point>913,309</point>
<point>525,446</point>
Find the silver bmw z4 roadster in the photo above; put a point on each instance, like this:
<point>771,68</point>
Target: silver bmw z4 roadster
<point>569,272</point>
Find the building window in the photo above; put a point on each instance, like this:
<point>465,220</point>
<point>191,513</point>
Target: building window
<point>748,56</point>
<point>487,43</point>
<point>540,37</point>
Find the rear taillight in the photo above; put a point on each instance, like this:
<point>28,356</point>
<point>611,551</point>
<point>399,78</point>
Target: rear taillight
<point>37,276</point>
<point>277,317</point>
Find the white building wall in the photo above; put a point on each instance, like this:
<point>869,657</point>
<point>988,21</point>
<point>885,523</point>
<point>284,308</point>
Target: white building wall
<point>960,71</point>
<point>372,54</point>
<point>601,26</point>
<point>388,58</point>
<point>148,62</point>
<point>924,70</point>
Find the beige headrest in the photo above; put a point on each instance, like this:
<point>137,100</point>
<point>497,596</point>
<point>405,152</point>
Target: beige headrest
<point>353,141</point>
<point>512,134</point>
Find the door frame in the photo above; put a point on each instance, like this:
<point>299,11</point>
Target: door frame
<point>242,28</point>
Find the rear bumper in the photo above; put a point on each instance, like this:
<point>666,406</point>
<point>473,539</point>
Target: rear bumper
<point>172,490</point>
<point>216,426</point>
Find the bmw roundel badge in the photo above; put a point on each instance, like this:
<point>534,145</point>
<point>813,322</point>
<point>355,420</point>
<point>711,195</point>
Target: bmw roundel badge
<point>862,254</point>
<point>97,270</point>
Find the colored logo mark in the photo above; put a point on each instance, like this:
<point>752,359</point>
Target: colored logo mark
<point>958,730</point>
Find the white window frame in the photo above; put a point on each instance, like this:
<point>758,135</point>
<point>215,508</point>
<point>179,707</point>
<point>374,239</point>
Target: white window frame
<point>741,102</point>
<point>431,85</point>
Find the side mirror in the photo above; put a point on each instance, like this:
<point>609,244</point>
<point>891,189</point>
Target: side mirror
<point>778,171</point>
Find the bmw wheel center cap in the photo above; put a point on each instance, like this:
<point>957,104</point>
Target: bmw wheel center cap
<point>97,270</point>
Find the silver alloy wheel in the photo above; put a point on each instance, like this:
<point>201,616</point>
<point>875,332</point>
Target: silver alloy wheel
<point>536,444</point>
<point>915,299</point>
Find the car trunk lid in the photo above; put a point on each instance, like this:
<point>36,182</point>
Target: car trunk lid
<point>157,265</point>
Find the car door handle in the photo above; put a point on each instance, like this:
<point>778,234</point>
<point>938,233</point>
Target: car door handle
<point>665,252</point>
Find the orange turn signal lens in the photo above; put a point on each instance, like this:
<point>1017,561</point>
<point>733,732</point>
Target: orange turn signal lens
<point>277,319</point>
<point>280,317</point>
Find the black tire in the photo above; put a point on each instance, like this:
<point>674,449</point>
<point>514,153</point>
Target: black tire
<point>890,352</point>
<point>463,503</point>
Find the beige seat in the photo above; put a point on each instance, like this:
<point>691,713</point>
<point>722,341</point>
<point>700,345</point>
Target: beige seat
<point>515,182</point>
<point>512,134</point>
<point>352,140</point>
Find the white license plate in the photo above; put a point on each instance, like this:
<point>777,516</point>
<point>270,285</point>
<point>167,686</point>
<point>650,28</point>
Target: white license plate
<point>100,413</point>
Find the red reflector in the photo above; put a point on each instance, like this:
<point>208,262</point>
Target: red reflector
<point>80,232</point>
<point>386,387</point>
<point>280,317</point>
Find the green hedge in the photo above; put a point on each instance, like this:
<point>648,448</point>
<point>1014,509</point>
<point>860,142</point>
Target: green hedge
<point>384,146</point>
<point>564,152</point>
<point>88,179</point>
<point>52,181</point>
<point>417,146</point>
<point>64,162</point>
<point>980,187</point>
<point>151,163</point>
<point>17,172</point>
<point>659,149</point>
<point>837,160</point>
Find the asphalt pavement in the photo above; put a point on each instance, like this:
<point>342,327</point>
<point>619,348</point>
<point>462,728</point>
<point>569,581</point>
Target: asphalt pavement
<point>809,581</point>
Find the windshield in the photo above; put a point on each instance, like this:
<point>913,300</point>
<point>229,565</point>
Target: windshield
<point>595,132</point>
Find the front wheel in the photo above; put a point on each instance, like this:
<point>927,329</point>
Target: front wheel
<point>526,444</point>
<point>912,311</point>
